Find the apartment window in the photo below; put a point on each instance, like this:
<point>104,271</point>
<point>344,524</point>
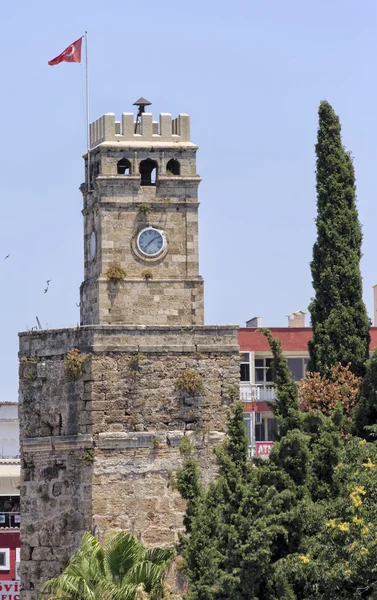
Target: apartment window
<point>272,429</point>
<point>297,367</point>
<point>4,559</point>
<point>259,430</point>
<point>245,366</point>
<point>266,429</point>
<point>247,421</point>
<point>263,370</point>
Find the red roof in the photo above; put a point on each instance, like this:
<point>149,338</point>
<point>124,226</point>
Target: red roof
<point>293,339</point>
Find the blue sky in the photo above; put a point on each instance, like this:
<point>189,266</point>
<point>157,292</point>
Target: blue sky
<point>251,75</point>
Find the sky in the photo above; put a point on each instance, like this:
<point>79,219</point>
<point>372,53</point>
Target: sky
<point>251,74</point>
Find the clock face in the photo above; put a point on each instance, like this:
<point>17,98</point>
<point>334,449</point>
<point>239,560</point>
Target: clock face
<point>92,245</point>
<point>151,241</point>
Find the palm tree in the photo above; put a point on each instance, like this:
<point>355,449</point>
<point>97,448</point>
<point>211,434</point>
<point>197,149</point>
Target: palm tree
<point>121,569</point>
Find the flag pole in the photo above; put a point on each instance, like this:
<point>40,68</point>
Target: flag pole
<point>87,108</point>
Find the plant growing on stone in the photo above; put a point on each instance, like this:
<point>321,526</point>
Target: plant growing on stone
<point>172,481</point>
<point>231,391</point>
<point>29,359</point>
<point>119,569</point>
<point>147,274</point>
<point>156,443</point>
<point>189,381</point>
<point>186,445</point>
<point>88,455</point>
<point>74,363</point>
<point>116,273</point>
<point>28,370</point>
<point>134,361</point>
<point>144,208</point>
<point>134,365</point>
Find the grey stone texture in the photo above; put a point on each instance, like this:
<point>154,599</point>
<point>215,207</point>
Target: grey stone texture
<point>101,451</point>
<point>174,295</point>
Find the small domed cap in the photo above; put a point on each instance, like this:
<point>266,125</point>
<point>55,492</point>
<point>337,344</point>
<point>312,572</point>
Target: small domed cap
<point>142,102</point>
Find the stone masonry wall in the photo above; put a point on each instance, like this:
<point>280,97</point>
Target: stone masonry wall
<point>102,451</point>
<point>114,217</point>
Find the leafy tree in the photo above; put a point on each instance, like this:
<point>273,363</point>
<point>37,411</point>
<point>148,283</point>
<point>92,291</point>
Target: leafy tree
<point>365,414</point>
<point>337,557</point>
<point>300,526</point>
<point>323,392</point>
<point>243,522</point>
<point>121,569</point>
<point>339,319</point>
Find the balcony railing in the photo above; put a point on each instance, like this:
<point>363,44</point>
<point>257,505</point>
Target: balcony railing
<point>253,392</point>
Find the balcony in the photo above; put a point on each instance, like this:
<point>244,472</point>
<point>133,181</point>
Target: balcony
<point>251,392</point>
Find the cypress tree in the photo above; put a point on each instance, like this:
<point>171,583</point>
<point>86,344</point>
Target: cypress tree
<point>339,318</point>
<point>286,409</point>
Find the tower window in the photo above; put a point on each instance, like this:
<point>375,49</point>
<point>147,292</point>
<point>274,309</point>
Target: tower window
<point>173,167</point>
<point>148,172</point>
<point>124,167</point>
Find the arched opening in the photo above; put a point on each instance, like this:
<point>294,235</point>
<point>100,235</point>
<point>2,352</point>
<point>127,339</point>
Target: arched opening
<point>173,167</point>
<point>148,172</point>
<point>124,167</point>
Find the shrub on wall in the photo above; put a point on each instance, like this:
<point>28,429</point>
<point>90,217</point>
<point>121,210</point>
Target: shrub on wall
<point>189,381</point>
<point>74,362</point>
<point>147,274</point>
<point>144,208</point>
<point>116,273</point>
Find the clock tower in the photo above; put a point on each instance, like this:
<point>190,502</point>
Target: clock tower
<point>141,222</point>
<point>107,408</point>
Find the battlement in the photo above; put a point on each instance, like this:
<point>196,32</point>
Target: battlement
<point>168,130</point>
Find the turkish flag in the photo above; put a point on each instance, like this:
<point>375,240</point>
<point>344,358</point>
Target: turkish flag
<point>70,54</point>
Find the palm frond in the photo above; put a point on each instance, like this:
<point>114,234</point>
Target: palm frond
<point>147,573</point>
<point>159,556</point>
<point>122,551</point>
<point>121,569</point>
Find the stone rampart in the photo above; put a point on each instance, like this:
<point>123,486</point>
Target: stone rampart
<point>102,450</point>
<point>166,130</point>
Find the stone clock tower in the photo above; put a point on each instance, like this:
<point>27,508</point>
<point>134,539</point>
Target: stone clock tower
<point>104,406</point>
<point>142,215</point>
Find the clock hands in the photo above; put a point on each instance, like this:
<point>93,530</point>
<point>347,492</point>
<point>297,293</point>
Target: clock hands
<point>152,240</point>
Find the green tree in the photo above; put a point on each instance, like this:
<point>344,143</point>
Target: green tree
<point>289,527</point>
<point>365,413</point>
<point>337,555</point>
<point>339,319</point>
<point>120,569</point>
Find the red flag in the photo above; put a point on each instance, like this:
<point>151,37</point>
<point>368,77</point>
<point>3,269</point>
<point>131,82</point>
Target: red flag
<point>70,54</point>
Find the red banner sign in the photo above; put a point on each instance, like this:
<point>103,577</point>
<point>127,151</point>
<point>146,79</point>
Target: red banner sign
<point>262,450</point>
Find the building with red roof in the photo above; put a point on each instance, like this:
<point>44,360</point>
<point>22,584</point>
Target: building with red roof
<point>257,390</point>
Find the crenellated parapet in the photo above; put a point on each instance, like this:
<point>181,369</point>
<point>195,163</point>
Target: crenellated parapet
<point>107,129</point>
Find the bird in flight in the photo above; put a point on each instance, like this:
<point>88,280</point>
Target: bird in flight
<point>7,256</point>
<point>48,282</point>
<point>46,290</point>
<point>78,305</point>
